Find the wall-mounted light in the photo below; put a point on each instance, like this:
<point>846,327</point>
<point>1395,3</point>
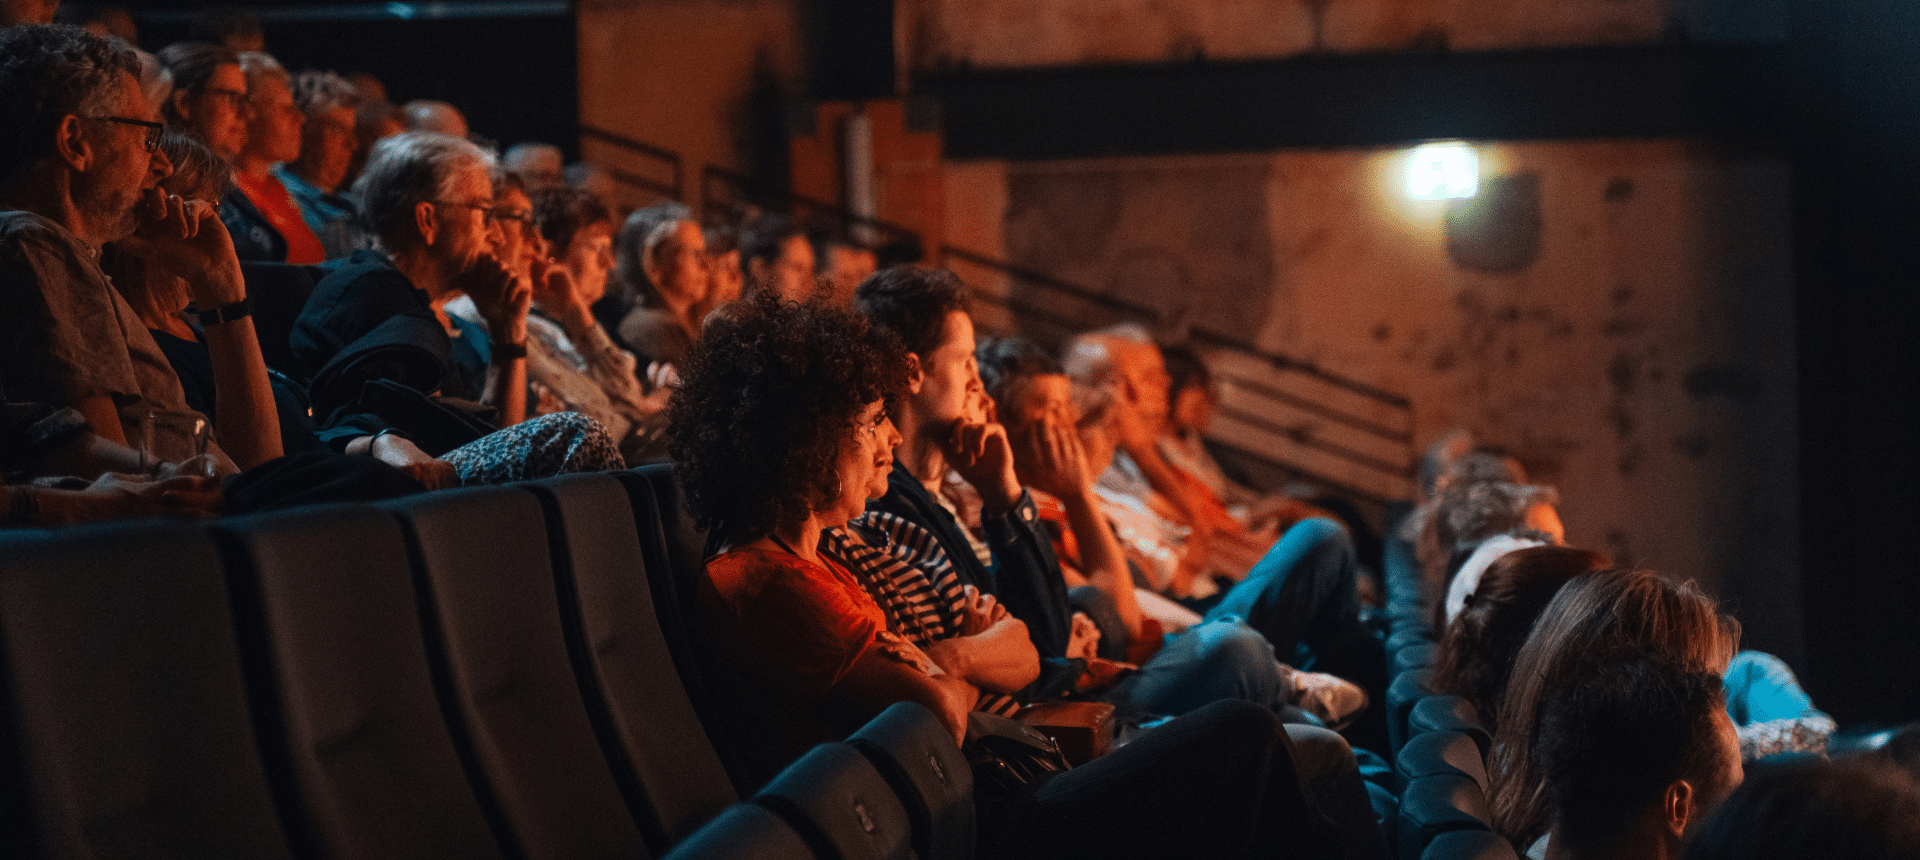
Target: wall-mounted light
<point>1443,171</point>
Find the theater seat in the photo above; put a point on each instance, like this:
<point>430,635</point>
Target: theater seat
<point>1469,845</point>
<point>125,721</point>
<point>328,593</point>
<point>1407,636</point>
<point>634,693</point>
<point>745,832</point>
<point>674,549</point>
<point>1433,805</point>
<point>1416,656</point>
<point>1407,688</point>
<point>1448,714</point>
<point>915,754</point>
<point>1443,753</point>
<point>493,624</point>
<point>840,805</point>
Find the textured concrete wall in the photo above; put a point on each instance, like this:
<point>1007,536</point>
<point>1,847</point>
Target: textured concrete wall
<point>1638,354</point>
<point>1018,33</point>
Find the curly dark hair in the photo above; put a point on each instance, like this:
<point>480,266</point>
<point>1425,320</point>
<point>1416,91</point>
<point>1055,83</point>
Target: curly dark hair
<point>1006,359</point>
<point>767,396</point>
<point>1476,651</point>
<point>911,302</point>
<point>48,71</point>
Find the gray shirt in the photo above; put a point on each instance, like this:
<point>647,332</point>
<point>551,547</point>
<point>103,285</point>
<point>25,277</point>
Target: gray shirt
<point>67,335</point>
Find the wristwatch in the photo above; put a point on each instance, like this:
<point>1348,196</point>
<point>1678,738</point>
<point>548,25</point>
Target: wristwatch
<point>228,313</point>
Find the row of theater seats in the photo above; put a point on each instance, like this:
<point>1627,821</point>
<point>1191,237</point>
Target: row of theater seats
<point>1439,745</point>
<point>494,672</point>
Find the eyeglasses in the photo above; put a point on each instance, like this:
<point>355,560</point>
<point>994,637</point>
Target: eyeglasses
<point>487,214</point>
<point>153,128</point>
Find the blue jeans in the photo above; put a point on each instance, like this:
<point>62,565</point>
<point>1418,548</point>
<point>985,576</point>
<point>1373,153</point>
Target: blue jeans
<point>1301,596</point>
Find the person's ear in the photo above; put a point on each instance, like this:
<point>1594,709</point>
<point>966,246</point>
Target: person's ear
<point>70,143</point>
<point>916,378</point>
<point>1677,807</point>
<point>179,101</point>
<point>650,263</point>
<point>426,219</point>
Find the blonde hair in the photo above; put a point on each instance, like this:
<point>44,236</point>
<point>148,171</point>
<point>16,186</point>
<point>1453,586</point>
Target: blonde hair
<point>1594,613</point>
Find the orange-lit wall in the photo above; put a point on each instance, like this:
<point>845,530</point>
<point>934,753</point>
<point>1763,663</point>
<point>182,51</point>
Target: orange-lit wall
<point>1643,362</point>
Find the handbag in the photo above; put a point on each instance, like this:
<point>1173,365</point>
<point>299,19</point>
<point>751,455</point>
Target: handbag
<point>1008,757</point>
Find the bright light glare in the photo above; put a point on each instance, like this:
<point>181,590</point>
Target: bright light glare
<point>1443,171</point>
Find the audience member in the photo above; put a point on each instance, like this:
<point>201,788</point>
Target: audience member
<point>267,225</point>
<point>1478,648</point>
<point>725,281</point>
<point>160,297</point>
<point>539,165</point>
<point>375,120</point>
<point>1847,810</point>
<point>435,117</point>
<point>569,353</point>
<point>776,257</point>
<point>328,144</point>
<point>662,267</point>
<point>780,432</point>
<point>1032,392</point>
<point>926,309</point>
<point>595,180</point>
<point>430,199</point>
<point>27,12</point>
<point>842,265</point>
<point>79,168</point>
<point>209,99</point>
<point>1633,750</point>
<point>1593,613</point>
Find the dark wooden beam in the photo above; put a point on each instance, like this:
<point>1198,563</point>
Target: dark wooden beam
<point>1726,93</point>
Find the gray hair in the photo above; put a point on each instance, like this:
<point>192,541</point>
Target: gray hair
<point>317,92</point>
<point>48,71</point>
<point>1088,358</point>
<point>406,170</point>
<point>259,66</point>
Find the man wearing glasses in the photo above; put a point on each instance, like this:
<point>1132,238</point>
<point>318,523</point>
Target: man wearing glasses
<point>429,197</point>
<point>79,168</point>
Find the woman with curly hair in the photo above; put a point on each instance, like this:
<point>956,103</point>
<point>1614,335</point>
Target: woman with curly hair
<point>781,434</point>
<point>780,431</point>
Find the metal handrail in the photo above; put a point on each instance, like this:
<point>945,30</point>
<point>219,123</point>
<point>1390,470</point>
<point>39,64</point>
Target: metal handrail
<point>676,188</point>
<point>730,193</point>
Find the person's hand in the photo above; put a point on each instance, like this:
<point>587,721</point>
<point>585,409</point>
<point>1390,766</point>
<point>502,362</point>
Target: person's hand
<point>559,296</point>
<point>982,455</point>
<point>1084,642</point>
<point>1049,457</point>
<point>979,611</point>
<point>545,402</point>
<point>662,376</point>
<point>119,496</point>
<point>402,454</point>
<point>186,238</point>
<point>899,648</point>
<point>1132,431</point>
<point>501,298</point>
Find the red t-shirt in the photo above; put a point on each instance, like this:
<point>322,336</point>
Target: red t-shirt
<point>779,633</point>
<point>271,198</point>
